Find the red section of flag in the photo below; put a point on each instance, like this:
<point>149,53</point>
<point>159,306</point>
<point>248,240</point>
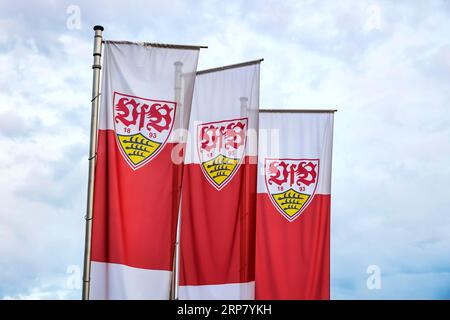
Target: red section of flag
<point>218,228</point>
<point>135,212</point>
<point>293,258</point>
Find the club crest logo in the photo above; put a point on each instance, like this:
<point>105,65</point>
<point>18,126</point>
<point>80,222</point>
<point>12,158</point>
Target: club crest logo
<point>142,127</point>
<point>291,184</point>
<point>221,147</point>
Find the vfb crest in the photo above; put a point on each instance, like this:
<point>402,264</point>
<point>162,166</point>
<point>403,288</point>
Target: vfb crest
<point>221,147</point>
<point>291,184</point>
<point>142,127</point>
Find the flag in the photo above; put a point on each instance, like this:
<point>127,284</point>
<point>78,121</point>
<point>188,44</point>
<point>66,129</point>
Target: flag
<point>145,103</point>
<point>293,205</point>
<point>219,186</point>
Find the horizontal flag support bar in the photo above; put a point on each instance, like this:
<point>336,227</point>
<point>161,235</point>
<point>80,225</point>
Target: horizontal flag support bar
<point>298,110</point>
<point>231,66</point>
<point>158,45</point>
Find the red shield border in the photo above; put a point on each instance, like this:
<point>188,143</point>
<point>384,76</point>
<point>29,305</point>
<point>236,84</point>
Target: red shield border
<point>230,177</point>
<point>291,219</point>
<point>163,144</point>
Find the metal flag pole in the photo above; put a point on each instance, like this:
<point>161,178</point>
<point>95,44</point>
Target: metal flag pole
<point>176,264</point>
<point>96,67</point>
<point>244,211</point>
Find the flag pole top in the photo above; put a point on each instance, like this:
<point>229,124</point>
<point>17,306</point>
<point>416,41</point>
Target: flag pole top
<point>231,66</point>
<point>98,27</point>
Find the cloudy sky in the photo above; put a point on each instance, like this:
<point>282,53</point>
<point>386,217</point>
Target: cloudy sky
<point>384,64</point>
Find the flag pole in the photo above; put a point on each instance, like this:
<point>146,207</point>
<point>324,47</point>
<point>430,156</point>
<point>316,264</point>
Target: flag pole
<point>176,259</point>
<point>244,211</point>
<point>96,67</point>
<point>176,254</point>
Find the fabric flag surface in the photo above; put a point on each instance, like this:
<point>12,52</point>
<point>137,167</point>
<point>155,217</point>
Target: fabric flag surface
<point>145,101</point>
<point>219,186</point>
<point>293,205</point>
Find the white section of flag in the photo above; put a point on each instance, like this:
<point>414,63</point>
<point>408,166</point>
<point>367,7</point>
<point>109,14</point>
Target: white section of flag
<point>147,72</point>
<point>119,282</point>
<point>224,95</point>
<point>296,135</point>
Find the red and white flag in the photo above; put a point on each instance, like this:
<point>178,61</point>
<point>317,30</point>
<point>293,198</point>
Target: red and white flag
<point>145,102</point>
<point>293,206</point>
<point>219,186</point>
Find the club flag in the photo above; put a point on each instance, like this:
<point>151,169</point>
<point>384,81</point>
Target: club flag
<point>145,104</point>
<point>219,186</point>
<point>293,205</point>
